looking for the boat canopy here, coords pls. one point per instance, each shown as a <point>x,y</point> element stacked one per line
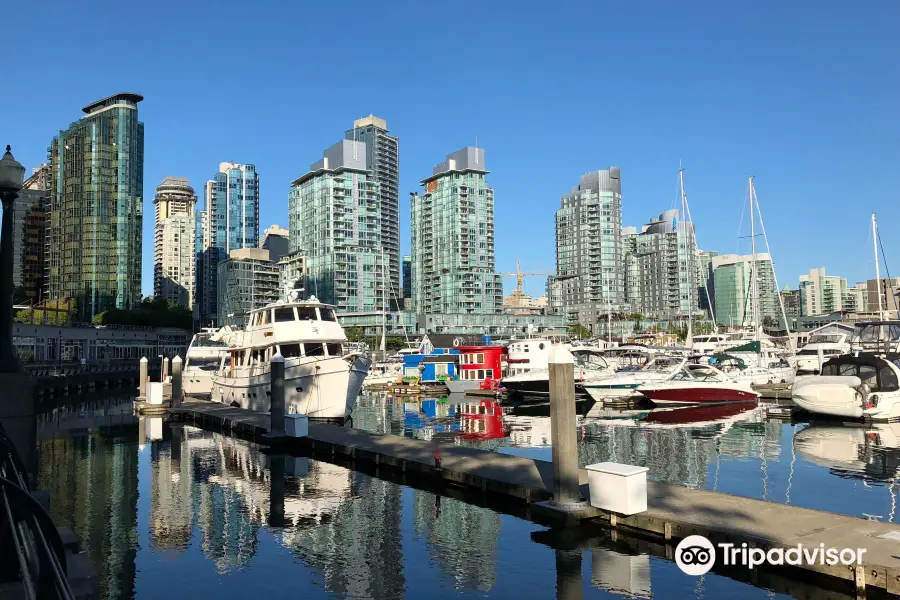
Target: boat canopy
<point>877,372</point>
<point>748,347</point>
<point>726,360</point>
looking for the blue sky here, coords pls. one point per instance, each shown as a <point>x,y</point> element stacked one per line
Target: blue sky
<point>803,95</point>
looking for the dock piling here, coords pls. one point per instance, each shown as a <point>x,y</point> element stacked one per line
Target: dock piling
<point>143,378</point>
<point>277,407</point>
<point>176,381</point>
<point>562,428</point>
<point>165,369</point>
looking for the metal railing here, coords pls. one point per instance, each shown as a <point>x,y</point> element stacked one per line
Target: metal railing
<point>76,368</point>
<point>31,550</point>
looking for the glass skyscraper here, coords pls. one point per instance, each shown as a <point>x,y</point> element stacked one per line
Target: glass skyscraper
<point>96,208</point>
<point>734,300</point>
<point>453,267</point>
<point>383,163</point>
<point>229,221</point>
<point>334,216</point>
<point>590,264</point>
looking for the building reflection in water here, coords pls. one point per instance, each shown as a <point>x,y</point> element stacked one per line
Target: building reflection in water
<point>91,474</point>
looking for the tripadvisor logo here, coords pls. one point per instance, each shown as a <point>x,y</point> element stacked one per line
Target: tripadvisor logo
<point>696,555</point>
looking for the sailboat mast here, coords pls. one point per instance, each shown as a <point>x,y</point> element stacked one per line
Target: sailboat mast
<point>877,267</point>
<point>689,250</point>
<point>754,271</point>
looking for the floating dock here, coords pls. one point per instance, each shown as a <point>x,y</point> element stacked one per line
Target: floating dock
<point>673,512</point>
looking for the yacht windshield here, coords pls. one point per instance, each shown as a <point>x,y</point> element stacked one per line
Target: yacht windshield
<point>589,360</point>
<point>205,342</point>
<point>823,338</point>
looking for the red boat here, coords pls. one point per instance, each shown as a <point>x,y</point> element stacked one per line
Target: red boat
<point>698,384</point>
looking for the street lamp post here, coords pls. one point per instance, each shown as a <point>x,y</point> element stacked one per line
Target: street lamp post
<point>12,177</point>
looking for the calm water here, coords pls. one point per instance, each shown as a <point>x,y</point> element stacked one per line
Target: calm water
<point>178,512</point>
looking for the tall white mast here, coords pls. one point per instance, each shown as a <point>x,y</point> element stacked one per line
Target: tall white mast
<point>689,250</point>
<point>754,271</point>
<point>877,267</point>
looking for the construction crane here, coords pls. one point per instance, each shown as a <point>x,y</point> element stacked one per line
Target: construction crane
<point>520,276</point>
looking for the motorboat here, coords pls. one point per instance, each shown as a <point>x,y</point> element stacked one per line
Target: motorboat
<point>590,365</point>
<point>526,354</point>
<point>806,361</point>
<point>321,377</point>
<point>697,384</point>
<point>707,344</point>
<point>383,374</point>
<point>628,356</point>
<point>203,357</point>
<point>864,384</point>
<point>625,384</point>
<point>739,370</point>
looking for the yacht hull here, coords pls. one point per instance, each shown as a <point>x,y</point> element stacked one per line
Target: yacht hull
<point>676,393</point>
<point>456,386</point>
<point>832,395</point>
<point>197,382</point>
<point>320,388</point>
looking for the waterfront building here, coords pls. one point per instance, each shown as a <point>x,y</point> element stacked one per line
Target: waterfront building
<point>247,280</point>
<point>856,298</point>
<point>524,304</point>
<point>275,240</point>
<point>453,269</point>
<point>96,208</point>
<point>790,300</point>
<point>29,227</point>
<point>174,263</point>
<point>383,164</point>
<point>554,292</point>
<point>888,290</point>
<point>292,273</point>
<point>732,274</point>
<point>334,217</point>
<point>404,323</point>
<point>407,282</point>
<point>706,291</point>
<point>37,342</point>
<point>661,268</point>
<point>589,248</point>
<point>229,221</point>
<point>821,294</point>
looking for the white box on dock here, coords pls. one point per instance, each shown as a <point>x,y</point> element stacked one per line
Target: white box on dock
<point>618,488</point>
<point>154,392</point>
<point>296,425</point>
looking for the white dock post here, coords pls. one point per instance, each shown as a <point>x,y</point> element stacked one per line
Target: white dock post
<point>276,410</point>
<point>176,382</point>
<point>165,369</point>
<point>562,428</point>
<point>142,384</point>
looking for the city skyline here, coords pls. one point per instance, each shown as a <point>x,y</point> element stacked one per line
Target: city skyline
<point>759,104</point>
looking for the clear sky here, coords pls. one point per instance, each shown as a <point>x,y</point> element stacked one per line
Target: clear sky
<point>804,95</point>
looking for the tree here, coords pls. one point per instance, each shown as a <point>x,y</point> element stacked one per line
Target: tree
<point>52,312</point>
<point>638,326</point>
<point>152,312</point>
<point>354,333</point>
<point>579,331</point>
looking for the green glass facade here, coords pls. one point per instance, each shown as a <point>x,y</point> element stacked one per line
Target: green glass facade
<point>334,217</point>
<point>96,208</point>
<point>453,269</point>
<point>733,300</point>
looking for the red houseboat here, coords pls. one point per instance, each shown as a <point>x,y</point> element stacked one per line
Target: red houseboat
<point>477,364</point>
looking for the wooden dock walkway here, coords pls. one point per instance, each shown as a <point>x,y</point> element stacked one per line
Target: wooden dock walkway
<point>673,512</point>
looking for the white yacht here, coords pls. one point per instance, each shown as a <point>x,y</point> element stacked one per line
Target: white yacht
<point>628,356</point>
<point>864,384</point>
<point>204,355</point>
<point>589,366</point>
<point>806,361</point>
<point>321,377</point>
<point>624,384</point>
<point>526,354</point>
<point>708,344</point>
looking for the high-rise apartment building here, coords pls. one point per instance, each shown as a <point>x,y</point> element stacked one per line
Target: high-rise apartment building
<point>888,289</point>
<point>174,263</point>
<point>383,164</point>
<point>292,274</point>
<point>407,279</point>
<point>93,236</point>
<point>247,280</point>
<point>821,294</point>
<point>790,300</point>
<point>29,228</point>
<point>661,268</point>
<point>453,239</point>
<point>589,247</point>
<point>275,240</point>
<point>706,288</point>
<point>334,216</point>
<point>856,298</point>
<point>734,297</point>
<point>229,221</point>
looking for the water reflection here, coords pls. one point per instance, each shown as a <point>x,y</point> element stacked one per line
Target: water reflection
<point>171,510</point>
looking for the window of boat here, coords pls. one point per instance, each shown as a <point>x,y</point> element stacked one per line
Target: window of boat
<point>847,369</point>
<point>440,369</point>
<point>334,349</point>
<point>868,374</point>
<point>327,314</point>
<point>290,350</point>
<point>479,358</point>
<point>313,349</point>
<point>263,317</point>
<point>284,314</point>
<point>830,370</point>
<point>887,380</point>
<point>205,364</point>
<point>306,313</point>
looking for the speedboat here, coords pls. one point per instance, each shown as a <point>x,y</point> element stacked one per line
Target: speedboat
<point>321,377</point>
<point>738,370</point>
<point>697,384</point>
<point>625,384</point>
<point>590,365</point>
<point>865,384</point>
<point>203,356</point>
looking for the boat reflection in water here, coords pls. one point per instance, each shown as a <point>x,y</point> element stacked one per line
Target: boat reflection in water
<point>870,452</point>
